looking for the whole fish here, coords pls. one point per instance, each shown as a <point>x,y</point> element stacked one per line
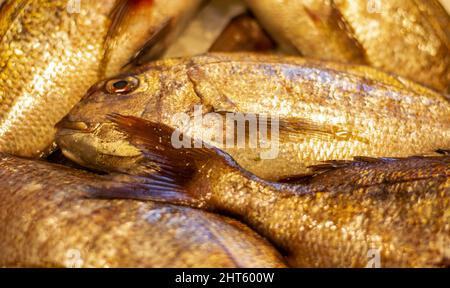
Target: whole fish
<point>51,52</point>
<point>368,212</point>
<point>326,111</point>
<point>408,38</point>
<point>48,221</point>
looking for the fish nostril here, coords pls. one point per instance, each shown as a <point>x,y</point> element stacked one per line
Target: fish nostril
<point>79,126</point>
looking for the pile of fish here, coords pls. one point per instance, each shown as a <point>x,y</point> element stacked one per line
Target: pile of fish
<point>355,170</point>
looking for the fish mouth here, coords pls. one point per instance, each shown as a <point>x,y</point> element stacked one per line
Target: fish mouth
<point>77,126</point>
<point>104,149</point>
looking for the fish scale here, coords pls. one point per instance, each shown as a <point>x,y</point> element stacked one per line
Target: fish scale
<point>364,111</point>
<point>47,220</point>
<point>407,38</point>
<point>342,216</point>
<point>50,54</point>
<point>26,126</point>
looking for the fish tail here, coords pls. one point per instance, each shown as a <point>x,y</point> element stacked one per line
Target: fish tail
<point>176,167</point>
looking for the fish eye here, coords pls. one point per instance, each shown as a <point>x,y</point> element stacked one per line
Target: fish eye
<point>122,86</point>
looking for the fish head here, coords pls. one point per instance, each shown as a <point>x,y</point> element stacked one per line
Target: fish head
<point>87,137</point>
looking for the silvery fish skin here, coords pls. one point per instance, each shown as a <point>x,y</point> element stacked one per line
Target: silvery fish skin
<point>408,38</point>
<point>364,112</point>
<point>48,221</point>
<point>368,212</point>
<point>51,52</point>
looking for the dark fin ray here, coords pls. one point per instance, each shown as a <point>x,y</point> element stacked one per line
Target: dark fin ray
<point>445,152</point>
<point>176,167</point>
<point>143,192</point>
<point>357,161</point>
<point>155,141</point>
<point>296,179</point>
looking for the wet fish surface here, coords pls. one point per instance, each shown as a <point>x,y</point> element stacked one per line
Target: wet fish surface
<point>48,221</point>
<point>314,28</point>
<point>242,34</point>
<point>408,38</point>
<point>145,31</point>
<point>330,111</point>
<point>51,52</point>
<point>394,211</point>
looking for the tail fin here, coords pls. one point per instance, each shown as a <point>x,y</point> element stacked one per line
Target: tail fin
<point>175,166</point>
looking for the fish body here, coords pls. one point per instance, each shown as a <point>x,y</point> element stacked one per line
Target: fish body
<point>367,212</point>
<point>314,28</point>
<point>51,52</point>
<point>146,30</point>
<point>408,38</point>
<point>340,110</point>
<point>47,220</point>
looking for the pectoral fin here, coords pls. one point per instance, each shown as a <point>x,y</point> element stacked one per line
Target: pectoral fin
<point>291,128</point>
<point>176,167</point>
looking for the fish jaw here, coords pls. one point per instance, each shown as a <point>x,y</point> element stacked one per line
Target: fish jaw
<point>86,148</point>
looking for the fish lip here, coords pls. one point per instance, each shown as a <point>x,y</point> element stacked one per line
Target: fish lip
<point>77,126</point>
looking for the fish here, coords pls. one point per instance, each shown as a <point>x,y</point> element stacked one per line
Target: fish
<point>323,110</point>
<point>446,4</point>
<point>146,31</point>
<point>407,38</point>
<point>243,33</point>
<point>51,52</point>
<point>48,221</point>
<point>204,29</point>
<point>312,28</point>
<point>368,212</point>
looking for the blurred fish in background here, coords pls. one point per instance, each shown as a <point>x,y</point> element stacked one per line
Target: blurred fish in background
<point>407,38</point>
<point>51,52</point>
<point>48,221</point>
